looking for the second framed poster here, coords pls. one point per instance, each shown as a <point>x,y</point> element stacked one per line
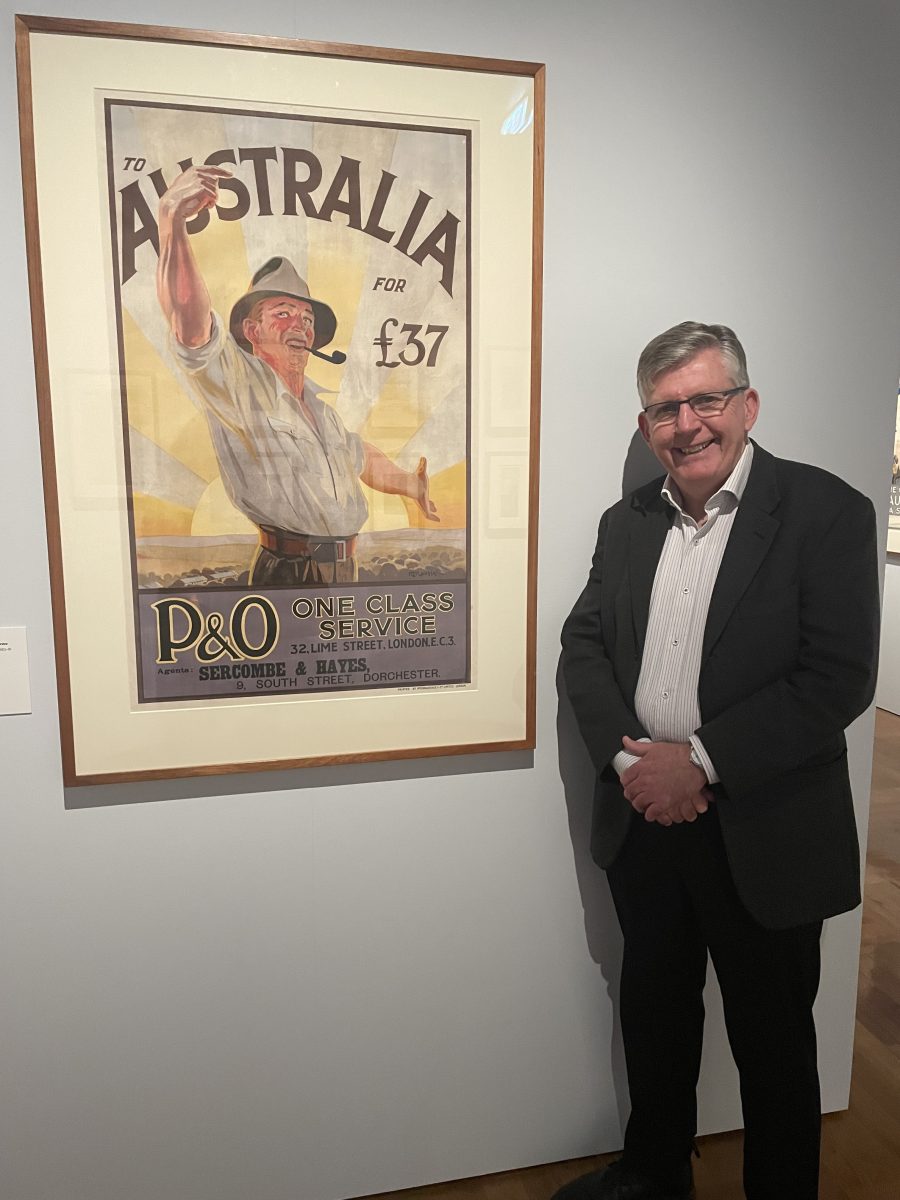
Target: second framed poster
<point>280,303</point>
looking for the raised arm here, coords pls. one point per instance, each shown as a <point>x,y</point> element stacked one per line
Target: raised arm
<point>180,288</point>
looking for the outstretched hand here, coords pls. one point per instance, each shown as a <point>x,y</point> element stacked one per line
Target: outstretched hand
<point>421,496</point>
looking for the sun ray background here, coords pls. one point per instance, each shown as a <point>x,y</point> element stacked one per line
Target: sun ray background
<point>407,412</point>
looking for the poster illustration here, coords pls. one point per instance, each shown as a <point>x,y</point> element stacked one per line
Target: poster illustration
<point>893,537</point>
<point>292,302</point>
<point>287,351</point>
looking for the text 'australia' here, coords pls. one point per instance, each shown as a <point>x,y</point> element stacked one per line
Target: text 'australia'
<point>294,181</point>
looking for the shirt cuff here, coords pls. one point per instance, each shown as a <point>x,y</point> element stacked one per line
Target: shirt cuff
<point>623,760</point>
<point>196,358</point>
<point>712,775</point>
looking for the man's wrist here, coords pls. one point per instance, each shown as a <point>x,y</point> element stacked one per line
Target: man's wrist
<point>695,760</point>
<point>701,757</point>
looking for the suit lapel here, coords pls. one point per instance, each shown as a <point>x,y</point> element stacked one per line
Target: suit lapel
<point>748,544</point>
<point>651,521</point>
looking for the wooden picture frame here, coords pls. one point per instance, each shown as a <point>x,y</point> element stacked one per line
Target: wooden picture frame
<point>393,201</point>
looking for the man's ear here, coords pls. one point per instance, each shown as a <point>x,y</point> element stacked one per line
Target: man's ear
<point>644,427</point>
<point>751,408</point>
<point>251,330</point>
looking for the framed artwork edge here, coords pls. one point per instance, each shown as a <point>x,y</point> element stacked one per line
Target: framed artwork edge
<point>245,41</point>
<point>42,388</point>
<point>73,780</point>
<point>26,25</point>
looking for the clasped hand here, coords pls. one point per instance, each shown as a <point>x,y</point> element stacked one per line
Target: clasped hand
<point>665,785</point>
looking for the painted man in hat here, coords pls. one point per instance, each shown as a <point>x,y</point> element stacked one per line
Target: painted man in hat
<point>287,461</point>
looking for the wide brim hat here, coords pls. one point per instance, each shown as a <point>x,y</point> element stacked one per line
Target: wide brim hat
<point>278,277</point>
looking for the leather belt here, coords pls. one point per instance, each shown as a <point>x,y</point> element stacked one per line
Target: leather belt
<point>299,545</point>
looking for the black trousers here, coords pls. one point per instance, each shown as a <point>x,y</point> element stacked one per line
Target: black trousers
<point>676,902</point>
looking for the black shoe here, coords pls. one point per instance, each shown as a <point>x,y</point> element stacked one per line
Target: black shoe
<point>619,1182</point>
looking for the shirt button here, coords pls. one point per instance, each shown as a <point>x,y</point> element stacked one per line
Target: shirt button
<point>665,695</point>
<point>674,641</point>
<point>685,590</point>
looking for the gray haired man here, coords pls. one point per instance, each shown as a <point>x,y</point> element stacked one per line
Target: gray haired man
<point>726,637</point>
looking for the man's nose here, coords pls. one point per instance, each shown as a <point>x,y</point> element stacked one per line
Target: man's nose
<point>686,419</point>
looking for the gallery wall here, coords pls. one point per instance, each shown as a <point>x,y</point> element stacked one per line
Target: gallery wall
<point>335,982</point>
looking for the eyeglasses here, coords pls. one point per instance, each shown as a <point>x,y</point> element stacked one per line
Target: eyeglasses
<point>708,404</point>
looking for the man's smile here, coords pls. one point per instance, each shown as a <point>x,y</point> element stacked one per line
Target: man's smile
<point>689,450</point>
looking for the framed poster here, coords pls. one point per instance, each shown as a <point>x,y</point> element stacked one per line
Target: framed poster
<point>893,537</point>
<point>280,293</point>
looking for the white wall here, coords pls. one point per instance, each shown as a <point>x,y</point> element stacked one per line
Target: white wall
<point>327,983</point>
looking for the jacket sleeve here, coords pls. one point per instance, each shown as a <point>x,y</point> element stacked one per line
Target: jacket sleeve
<point>799,718</point>
<point>589,639</point>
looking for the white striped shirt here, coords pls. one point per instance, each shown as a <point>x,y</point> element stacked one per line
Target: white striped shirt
<point>666,701</point>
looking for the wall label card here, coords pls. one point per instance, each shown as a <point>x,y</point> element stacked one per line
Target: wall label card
<point>15,688</point>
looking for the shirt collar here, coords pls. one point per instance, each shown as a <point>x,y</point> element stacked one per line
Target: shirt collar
<point>312,393</point>
<point>733,486</point>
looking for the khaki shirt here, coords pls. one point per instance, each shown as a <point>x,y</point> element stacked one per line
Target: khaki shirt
<point>276,469</point>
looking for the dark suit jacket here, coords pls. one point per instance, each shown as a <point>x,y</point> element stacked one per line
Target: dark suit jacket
<point>788,661</point>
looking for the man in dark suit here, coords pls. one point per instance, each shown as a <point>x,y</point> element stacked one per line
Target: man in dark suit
<point>726,637</point>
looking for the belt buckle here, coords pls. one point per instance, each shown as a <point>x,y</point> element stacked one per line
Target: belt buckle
<point>340,551</point>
